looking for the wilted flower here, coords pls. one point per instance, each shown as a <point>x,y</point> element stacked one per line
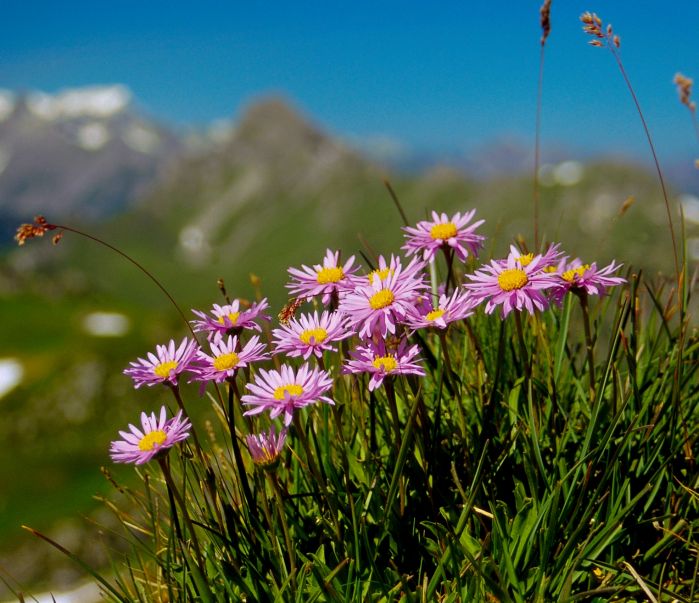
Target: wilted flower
<point>158,434</point>
<point>511,284</point>
<point>381,361</point>
<point>284,391</point>
<point>444,232</point>
<point>265,448</point>
<point>311,334</point>
<point>326,279</point>
<point>165,366</point>
<point>230,318</point>
<point>226,359</point>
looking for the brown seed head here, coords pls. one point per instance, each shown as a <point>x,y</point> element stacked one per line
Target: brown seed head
<point>31,231</point>
<point>592,25</point>
<point>545,19</point>
<point>684,89</point>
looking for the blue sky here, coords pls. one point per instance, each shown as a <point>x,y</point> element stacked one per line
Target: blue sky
<point>434,75</point>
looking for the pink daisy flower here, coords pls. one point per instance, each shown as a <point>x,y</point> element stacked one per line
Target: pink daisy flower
<point>230,318</point>
<point>457,306</point>
<point>384,269</point>
<point>548,259</point>
<point>326,279</point>
<point>381,361</point>
<point>311,334</point>
<point>511,284</point>
<point>577,277</point>
<point>226,359</point>
<point>443,232</point>
<point>156,436</point>
<point>282,392</point>
<point>165,365</point>
<point>378,306</point>
<point>265,448</point>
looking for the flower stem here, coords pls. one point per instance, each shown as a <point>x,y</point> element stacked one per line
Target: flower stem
<point>582,296</point>
<point>242,473</point>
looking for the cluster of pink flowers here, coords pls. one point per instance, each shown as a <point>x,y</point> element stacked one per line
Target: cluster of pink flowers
<point>379,311</point>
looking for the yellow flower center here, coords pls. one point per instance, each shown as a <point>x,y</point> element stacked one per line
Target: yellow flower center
<point>232,316</point>
<point>570,275</point>
<point>512,278</point>
<point>525,259</point>
<point>550,269</point>
<point>318,335</point>
<point>387,363</point>
<point>330,275</point>
<point>226,362</point>
<point>435,314</point>
<point>292,390</point>
<point>382,274</point>
<point>164,368</point>
<point>152,440</point>
<point>381,299</point>
<point>443,231</point>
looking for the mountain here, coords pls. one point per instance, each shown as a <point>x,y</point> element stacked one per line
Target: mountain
<point>84,152</point>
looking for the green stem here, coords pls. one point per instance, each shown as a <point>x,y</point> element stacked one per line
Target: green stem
<point>582,296</point>
<point>242,473</point>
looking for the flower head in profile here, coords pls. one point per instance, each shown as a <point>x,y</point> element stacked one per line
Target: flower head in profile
<point>384,268</point>
<point>457,306</point>
<point>326,279</point>
<point>511,284</point>
<point>266,447</point>
<point>377,307</point>
<point>576,277</point>
<point>284,391</point>
<point>442,232</point>
<point>156,436</point>
<point>311,334</point>
<point>165,365</point>
<point>381,360</point>
<point>230,318</point>
<point>225,358</point>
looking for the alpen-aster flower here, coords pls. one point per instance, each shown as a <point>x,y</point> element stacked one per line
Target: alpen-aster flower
<point>284,391</point>
<point>226,358</point>
<point>376,307</point>
<point>265,448</point>
<point>164,367</point>
<point>230,318</point>
<point>326,279</point>
<point>156,436</point>
<point>449,309</point>
<point>381,361</point>
<point>577,277</point>
<point>428,236</point>
<point>310,334</point>
<point>384,269</point>
<point>547,260</point>
<point>511,284</point>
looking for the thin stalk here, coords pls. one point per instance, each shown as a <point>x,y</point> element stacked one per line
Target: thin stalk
<point>242,473</point>
<point>285,527</point>
<point>678,272</point>
<point>537,145</point>
<point>399,207</point>
<point>589,347</point>
<point>523,346</point>
<point>393,406</point>
<point>138,265</point>
<point>183,507</point>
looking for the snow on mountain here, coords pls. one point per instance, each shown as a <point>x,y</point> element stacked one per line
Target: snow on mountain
<point>91,101</point>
